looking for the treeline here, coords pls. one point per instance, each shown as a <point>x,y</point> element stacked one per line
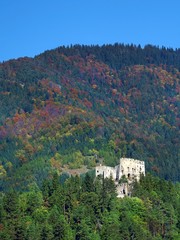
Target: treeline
<point>87,208</point>
<point>119,55</point>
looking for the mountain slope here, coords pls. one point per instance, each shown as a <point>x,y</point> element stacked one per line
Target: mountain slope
<point>76,106</point>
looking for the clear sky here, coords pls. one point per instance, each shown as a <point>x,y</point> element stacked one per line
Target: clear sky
<point>29,27</point>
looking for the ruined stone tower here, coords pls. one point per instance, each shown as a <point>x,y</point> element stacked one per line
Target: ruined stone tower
<point>128,168</point>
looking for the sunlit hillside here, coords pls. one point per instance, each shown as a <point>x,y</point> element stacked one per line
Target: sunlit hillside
<point>79,105</point>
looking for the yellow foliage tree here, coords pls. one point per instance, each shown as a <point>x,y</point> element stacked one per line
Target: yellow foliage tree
<point>2,172</point>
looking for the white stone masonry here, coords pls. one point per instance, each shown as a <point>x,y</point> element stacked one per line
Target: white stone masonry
<point>128,167</point>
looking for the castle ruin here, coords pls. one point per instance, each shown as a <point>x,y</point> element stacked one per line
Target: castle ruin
<point>129,170</point>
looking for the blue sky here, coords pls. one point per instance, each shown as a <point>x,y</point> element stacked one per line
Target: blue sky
<point>28,28</point>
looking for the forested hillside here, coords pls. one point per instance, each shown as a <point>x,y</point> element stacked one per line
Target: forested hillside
<point>78,105</point>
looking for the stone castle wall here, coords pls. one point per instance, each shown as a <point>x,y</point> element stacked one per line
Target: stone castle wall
<point>128,167</point>
<point>131,168</point>
<point>106,171</point>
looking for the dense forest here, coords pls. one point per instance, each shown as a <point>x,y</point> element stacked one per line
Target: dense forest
<point>80,105</point>
<point>71,108</point>
<point>87,209</point>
